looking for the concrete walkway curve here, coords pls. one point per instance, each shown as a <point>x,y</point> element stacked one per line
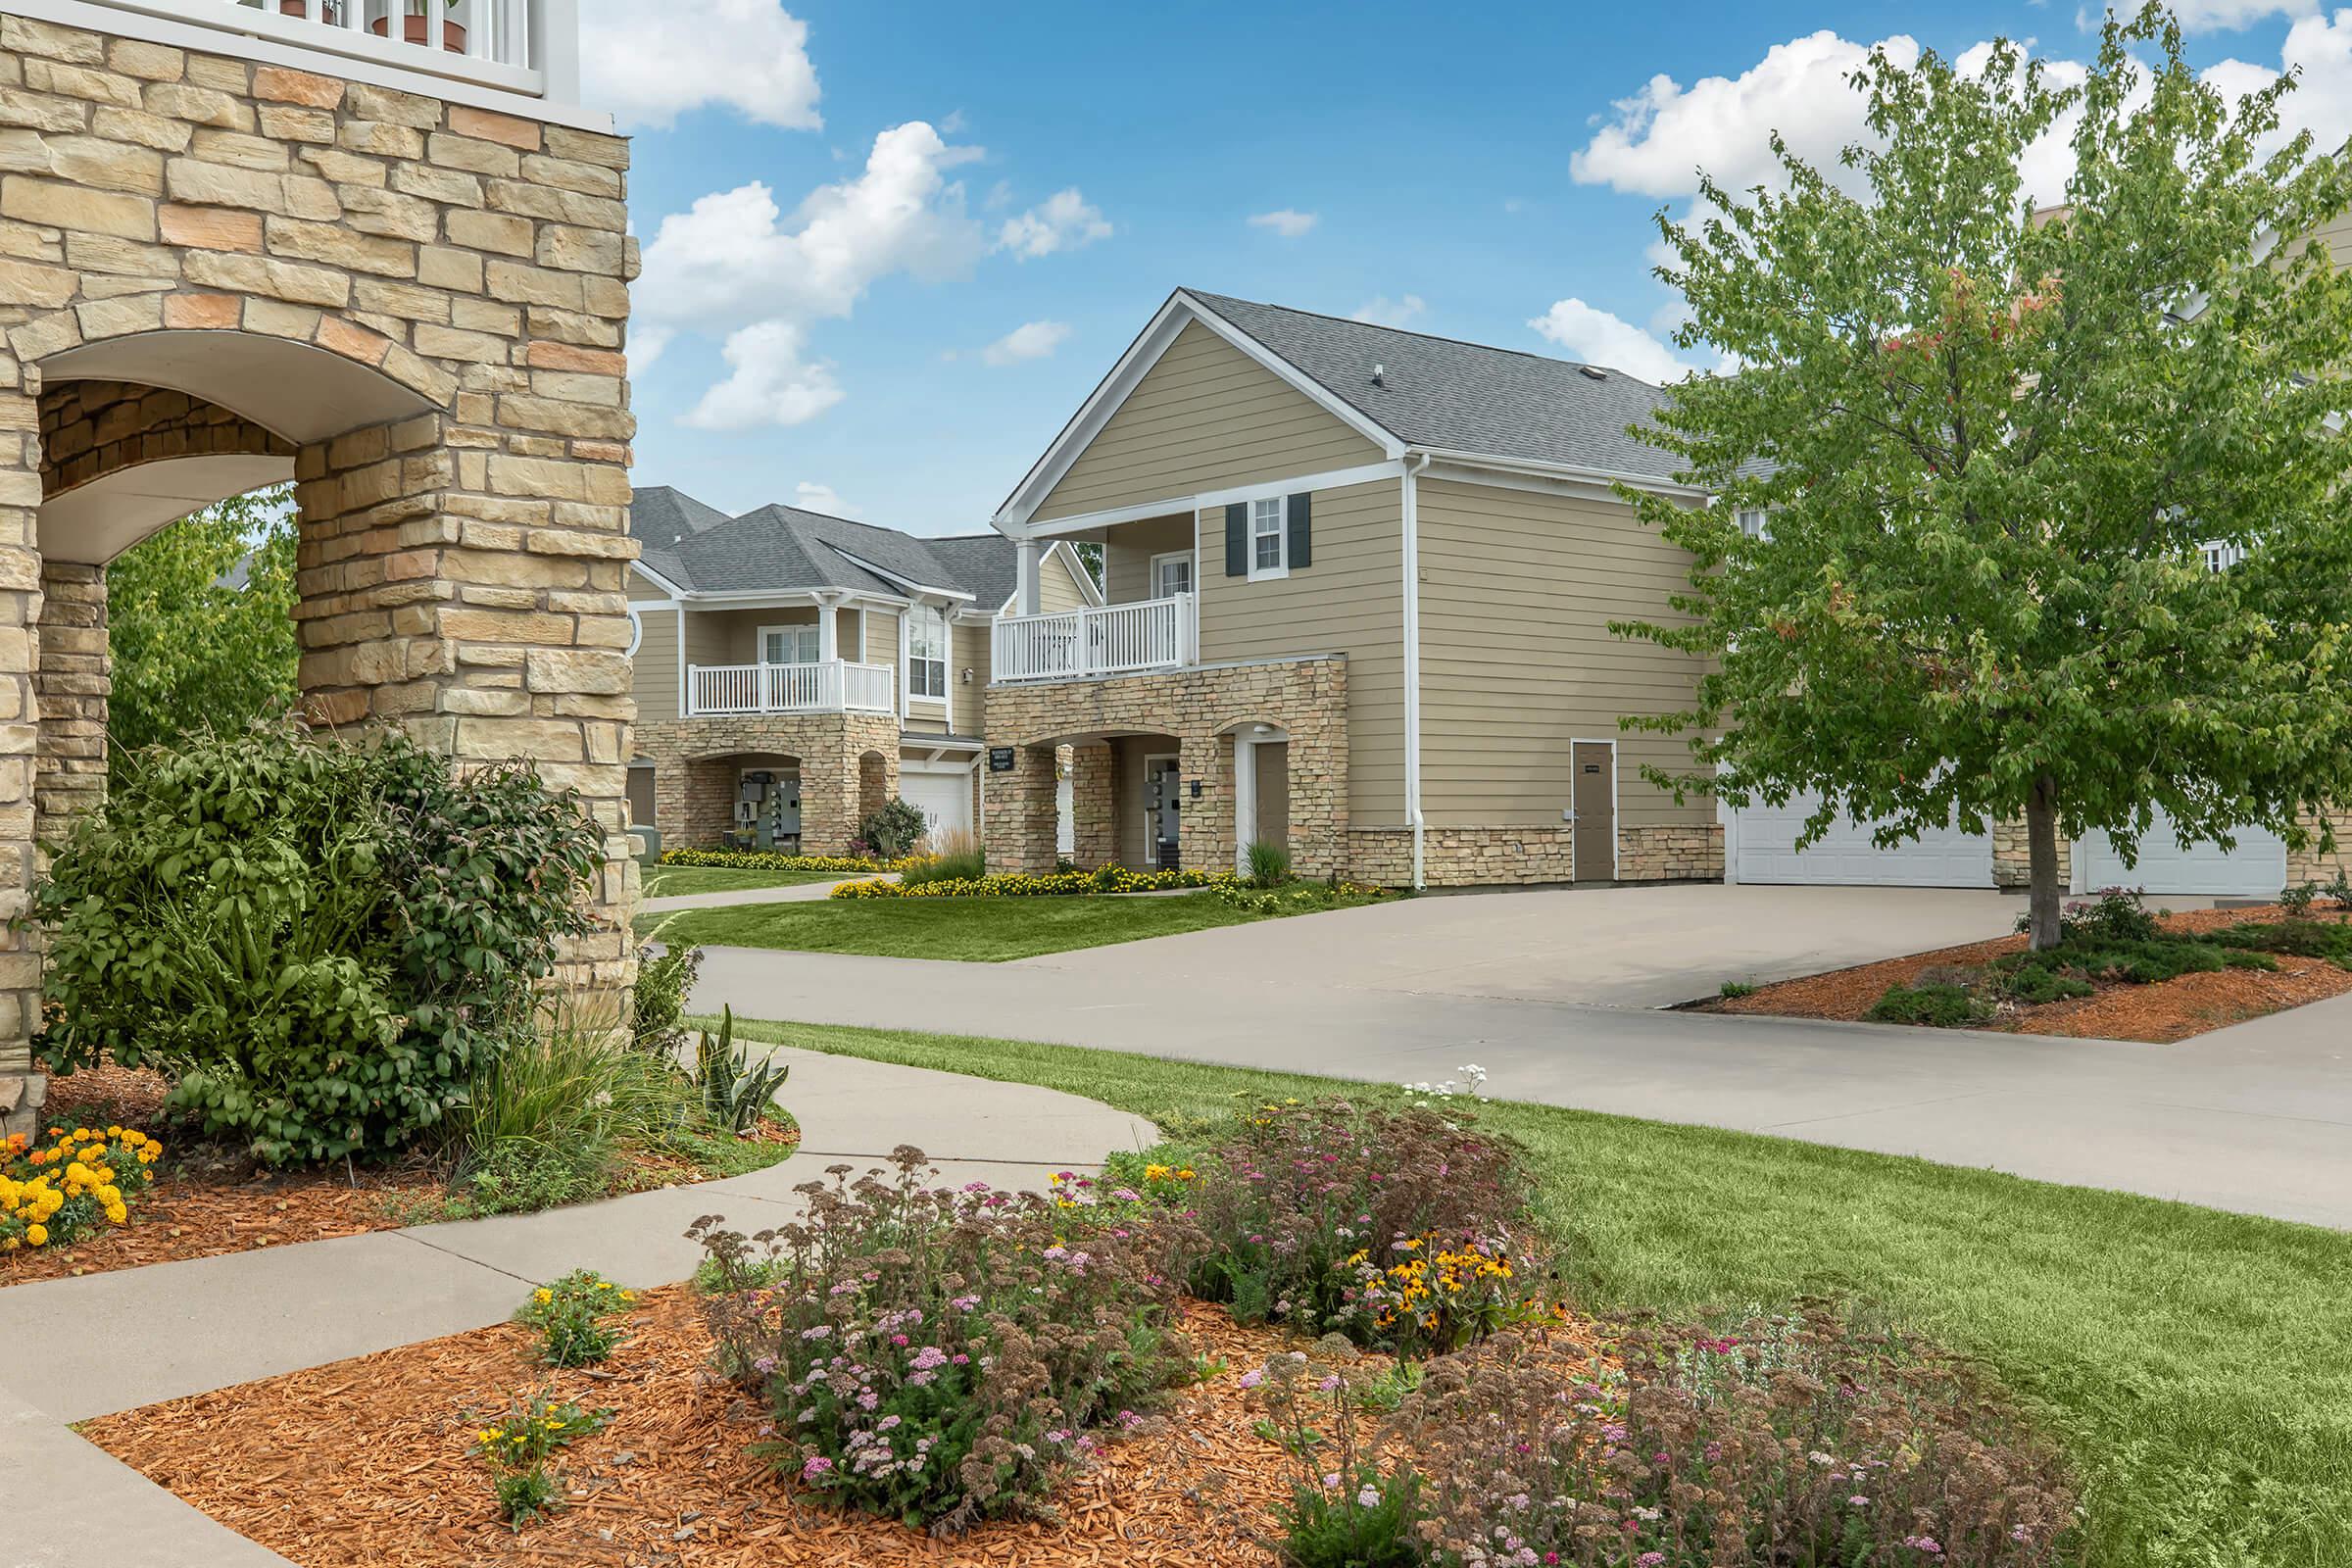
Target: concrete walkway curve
<point>128,1337</point>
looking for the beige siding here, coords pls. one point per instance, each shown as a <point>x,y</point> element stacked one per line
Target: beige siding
<point>1057,583</point>
<point>644,587</point>
<point>1127,556</point>
<point>1350,600</point>
<point>1517,591</point>
<point>654,671</point>
<point>1207,416</point>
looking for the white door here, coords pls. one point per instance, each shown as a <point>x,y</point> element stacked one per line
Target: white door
<point>1065,818</point>
<point>944,799</point>
<point>2256,868</point>
<point>1764,840</point>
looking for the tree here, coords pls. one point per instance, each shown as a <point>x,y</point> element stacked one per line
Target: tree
<point>1993,447</point>
<point>194,648</point>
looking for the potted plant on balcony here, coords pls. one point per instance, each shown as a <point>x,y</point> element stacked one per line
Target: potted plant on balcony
<point>329,10</point>
<point>413,27</point>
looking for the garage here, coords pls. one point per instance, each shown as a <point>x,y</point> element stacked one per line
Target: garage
<point>2255,869</point>
<point>942,791</point>
<point>1762,849</point>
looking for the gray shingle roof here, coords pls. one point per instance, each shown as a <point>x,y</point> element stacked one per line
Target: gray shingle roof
<point>785,550</point>
<point>1464,397</point>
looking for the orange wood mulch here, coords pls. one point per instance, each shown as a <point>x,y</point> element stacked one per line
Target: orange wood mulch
<point>207,1206</point>
<point>364,1463</point>
<point>2174,1010</point>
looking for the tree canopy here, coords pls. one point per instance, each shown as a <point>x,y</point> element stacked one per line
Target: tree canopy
<point>2002,450</point>
<point>198,643</point>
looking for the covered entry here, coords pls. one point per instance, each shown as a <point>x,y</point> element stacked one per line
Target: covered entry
<point>1262,789</point>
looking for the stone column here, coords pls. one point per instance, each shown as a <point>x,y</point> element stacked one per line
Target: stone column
<point>1094,799</point>
<point>72,685</point>
<point>829,789</point>
<point>1204,833</point>
<point>21,1091</point>
<point>1022,815</point>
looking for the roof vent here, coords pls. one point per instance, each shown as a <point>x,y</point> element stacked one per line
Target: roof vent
<point>1379,370</point>
<point>1593,373</point>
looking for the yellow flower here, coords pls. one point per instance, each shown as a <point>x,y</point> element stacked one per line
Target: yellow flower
<point>38,1234</point>
<point>543,1295</point>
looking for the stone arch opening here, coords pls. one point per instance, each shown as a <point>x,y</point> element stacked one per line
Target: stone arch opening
<point>876,783</point>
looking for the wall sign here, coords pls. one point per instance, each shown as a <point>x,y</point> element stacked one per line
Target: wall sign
<point>1000,758</point>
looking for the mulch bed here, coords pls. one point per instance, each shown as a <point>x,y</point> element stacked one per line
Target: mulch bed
<point>364,1463</point>
<point>2172,1009</point>
<point>209,1203</point>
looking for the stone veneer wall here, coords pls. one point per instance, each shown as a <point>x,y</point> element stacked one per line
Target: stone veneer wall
<point>2012,857</point>
<point>459,571</point>
<point>1503,856</point>
<point>90,428</point>
<point>75,679</point>
<point>1306,697</point>
<point>697,762</point>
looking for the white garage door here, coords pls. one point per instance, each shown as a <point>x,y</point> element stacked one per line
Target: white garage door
<point>2256,868</point>
<point>1764,840</point>
<point>944,799</point>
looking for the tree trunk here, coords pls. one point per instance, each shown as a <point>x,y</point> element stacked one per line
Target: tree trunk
<point>2043,895</point>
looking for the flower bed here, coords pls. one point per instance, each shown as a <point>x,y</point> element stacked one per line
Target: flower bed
<point>1057,884</point>
<point>769,860</point>
<point>71,1184</point>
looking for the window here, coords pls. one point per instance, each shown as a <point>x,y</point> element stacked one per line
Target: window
<point>788,645</point>
<point>1756,522</point>
<point>636,631</point>
<point>1172,574</point>
<point>926,653</point>
<point>1269,543</point>
<point>2221,556</point>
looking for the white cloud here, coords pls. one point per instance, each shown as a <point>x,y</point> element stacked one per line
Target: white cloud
<point>1382,311</point>
<point>771,384</point>
<point>1063,222</point>
<point>650,64</point>
<point>1283,221</point>
<point>2320,49</point>
<point>2208,15</point>
<point>1032,340</point>
<point>1596,337</point>
<point>822,498</point>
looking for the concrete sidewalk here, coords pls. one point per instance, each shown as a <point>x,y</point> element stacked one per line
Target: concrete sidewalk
<point>132,1337</point>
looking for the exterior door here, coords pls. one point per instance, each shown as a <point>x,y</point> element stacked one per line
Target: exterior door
<point>641,795</point>
<point>1594,799</point>
<point>1162,804</point>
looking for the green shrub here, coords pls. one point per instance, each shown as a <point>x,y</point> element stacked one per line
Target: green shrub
<point>736,1089</point>
<point>891,831</point>
<point>1936,1006</point>
<point>2044,984</point>
<point>322,941</point>
<point>2298,939</point>
<point>1269,864</point>
<point>2297,901</point>
<point>1354,1519</point>
<point>522,1177</point>
<point>664,982</point>
<point>525,1496</point>
<point>575,1318</point>
<point>1732,988</point>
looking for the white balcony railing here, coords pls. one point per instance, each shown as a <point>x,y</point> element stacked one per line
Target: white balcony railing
<point>1115,640</point>
<point>524,47</point>
<point>836,687</point>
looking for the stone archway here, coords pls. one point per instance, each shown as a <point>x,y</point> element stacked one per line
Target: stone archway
<point>421,305</point>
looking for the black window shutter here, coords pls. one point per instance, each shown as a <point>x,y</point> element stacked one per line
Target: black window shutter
<point>1237,539</point>
<point>1303,531</point>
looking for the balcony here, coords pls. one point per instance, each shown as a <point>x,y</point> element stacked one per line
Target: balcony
<point>518,56</point>
<point>1134,639</point>
<point>833,687</point>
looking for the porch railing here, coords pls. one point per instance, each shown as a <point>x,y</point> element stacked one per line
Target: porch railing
<point>1115,640</point>
<point>528,47</point>
<point>835,687</point>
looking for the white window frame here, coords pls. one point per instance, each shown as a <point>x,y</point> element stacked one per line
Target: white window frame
<point>1191,571</point>
<point>636,633</point>
<point>919,618</point>
<point>1754,521</point>
<point>1281,537</point>
<point>795,630</point>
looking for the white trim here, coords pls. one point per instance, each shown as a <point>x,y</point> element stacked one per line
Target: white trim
<point>1616,827</point>
<point>1172,505</point>
<point>1281,537</point>
<point>1535,483</point>
<point>1191,582</point>
<point>657,580</point>
<point>636,631</point>
<point>1088,589</point>
<point>1410,553</point>
<point>682,670</point>
<point>362,57</point>
<point>1558,471</point>
<point>795,627</point>
<point>1179,309</point>
<point>1244,800</point>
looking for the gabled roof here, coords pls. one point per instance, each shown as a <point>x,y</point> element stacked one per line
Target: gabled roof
<point>776,549</point>
<point>1466,401</point>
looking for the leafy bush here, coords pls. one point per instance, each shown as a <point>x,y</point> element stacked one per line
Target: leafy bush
<point>939,1356</point>
<point>1789,1441</point>
<point>1058,884</point>
<point>2118,915</point>
<point>2297,901</point>
<point>65,1188</point>
<point>2044,984</point>
<point>735,1089</point>
<point>1269,864</point>
<point>322,941</point>
<point>956,857</point>
<point>664,981</point>
<point>894,829</point>
<point>1331,1218</point>
<point>1938,1007</point>
<point>575,1318</point>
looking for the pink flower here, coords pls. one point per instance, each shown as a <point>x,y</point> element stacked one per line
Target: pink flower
<point>816,1468</point>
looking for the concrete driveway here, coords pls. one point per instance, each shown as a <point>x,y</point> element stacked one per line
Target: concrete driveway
<point>1597,947</point>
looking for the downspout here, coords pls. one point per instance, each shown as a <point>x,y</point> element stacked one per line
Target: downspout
<point>1414,464</point>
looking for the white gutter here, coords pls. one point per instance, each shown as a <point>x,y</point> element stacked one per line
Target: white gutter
<point>1413,464</point>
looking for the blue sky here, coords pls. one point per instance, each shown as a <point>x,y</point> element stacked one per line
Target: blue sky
<point>892,246</point>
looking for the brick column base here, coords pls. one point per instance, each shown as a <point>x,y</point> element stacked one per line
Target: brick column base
<point>1094,806</point>
<point>1022,819</point>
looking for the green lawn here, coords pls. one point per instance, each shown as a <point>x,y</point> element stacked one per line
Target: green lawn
<point>978,930</point>
<point>2197,1364</point>
<point>662,880</point>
